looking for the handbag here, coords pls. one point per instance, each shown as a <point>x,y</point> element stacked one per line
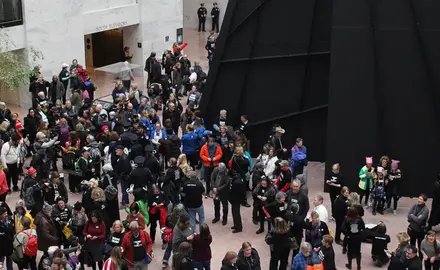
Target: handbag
<point>110,191</point>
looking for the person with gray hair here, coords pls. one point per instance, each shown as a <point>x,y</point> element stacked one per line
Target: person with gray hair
<point>299,261</point>
<point>192,193</point>
<point>283,181</point>
<point>46,229</point>
<point>220,185</point>
<point>221,120</point>
<point>137,247</point>
<point>299,207</point>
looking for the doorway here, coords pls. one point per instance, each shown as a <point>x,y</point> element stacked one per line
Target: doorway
<point>107,47</point>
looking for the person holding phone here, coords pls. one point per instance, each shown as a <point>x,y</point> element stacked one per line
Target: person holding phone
<point>137,247</point>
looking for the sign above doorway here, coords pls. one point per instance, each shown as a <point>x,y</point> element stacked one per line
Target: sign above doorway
<point>110,19</point>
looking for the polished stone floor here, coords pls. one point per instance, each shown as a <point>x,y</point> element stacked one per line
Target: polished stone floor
<point>223,239</point>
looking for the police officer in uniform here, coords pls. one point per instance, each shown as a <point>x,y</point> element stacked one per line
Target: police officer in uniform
<point>215,14</point>
<point>201,13</point>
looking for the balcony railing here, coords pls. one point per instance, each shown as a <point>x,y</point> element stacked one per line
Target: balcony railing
<point>11,13</point>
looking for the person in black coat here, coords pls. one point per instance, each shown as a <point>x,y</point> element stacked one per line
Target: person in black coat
<point>335,183</point>
<point>173,144</point>
<point>6,236</point>
<point>353,228</point>
<point>236,197</point>
<point>379,245</point>
<point>240,164</point>
<point>111,204</point>
<point>280,242</point>
<point>434,218</point>
<point>340,211</point>
<point>31,126</point>
<point>141,176</point>
<point>264,194</point>
<point>248,258</point>
<point>299,206</point>
<point>327,254</point>
<point>173,114</point>
<point>122,171</point>
<point>315,230</point>
<point>172,182</point>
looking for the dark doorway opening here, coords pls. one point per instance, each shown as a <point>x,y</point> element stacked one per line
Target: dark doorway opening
<point>108,47</point>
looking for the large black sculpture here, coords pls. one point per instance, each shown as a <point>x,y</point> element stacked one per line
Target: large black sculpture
<point>353,78</point>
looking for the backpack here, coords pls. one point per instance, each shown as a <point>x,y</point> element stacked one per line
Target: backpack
<point>31,248</point>
<point>110,191</point>
<point>28,197</point>
<point>95,154</point>
<point>77,168</point>
<point>167,234</point>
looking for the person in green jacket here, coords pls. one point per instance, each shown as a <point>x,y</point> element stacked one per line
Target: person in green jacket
<point>366,177</point>
<point>141,200</point>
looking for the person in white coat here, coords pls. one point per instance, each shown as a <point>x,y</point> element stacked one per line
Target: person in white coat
<point>318,202</point>
<point>269,165</point>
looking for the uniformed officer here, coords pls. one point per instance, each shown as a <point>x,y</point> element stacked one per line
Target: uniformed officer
<point>215,14</point>
<point>201,13</point>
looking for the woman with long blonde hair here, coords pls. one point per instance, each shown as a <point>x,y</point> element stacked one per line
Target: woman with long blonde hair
<point>399,255</point>
<point>182,163</point>
<point>115,262</point>
<point>229,262</point>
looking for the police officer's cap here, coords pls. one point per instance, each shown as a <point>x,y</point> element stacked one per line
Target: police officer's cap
<point>149,148</point>
<point>139,160</point>
<point>119,146</point>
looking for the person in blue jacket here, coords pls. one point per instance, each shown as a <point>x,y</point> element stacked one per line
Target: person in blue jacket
<point>189,145</point>
<point>157,134</point>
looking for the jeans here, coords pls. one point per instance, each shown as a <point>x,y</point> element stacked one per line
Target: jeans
<point>8,262</point>
<point>167,253</point>
<point>139,265</point>
<point>192,216</point>
<point>205,265</point>
<point>124,186</point>
<point>225,206</point>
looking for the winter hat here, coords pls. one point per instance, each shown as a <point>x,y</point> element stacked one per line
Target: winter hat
<point>2,210</point>
<point>369,160</point>
<point>31,171</point>
<point>379,169</point>
<point>301,178</point>
<point>104,128</point>
<point>60,198</point>
<point>394,163</point>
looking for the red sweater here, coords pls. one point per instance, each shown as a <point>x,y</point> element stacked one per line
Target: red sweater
<point>127,246</point>
<point>139,218</point>
<point>97,230</point>
<point>3,184</point>
<point>201,249</point>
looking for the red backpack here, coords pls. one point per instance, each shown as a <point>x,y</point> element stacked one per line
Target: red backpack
<point>31,248</point>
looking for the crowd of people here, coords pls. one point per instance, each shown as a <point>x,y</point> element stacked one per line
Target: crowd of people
<point>164,168</point>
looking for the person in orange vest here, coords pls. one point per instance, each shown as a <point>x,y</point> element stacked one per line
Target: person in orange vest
<point>211,153</point>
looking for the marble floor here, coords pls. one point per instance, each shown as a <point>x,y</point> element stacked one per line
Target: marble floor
<point>223,239</point>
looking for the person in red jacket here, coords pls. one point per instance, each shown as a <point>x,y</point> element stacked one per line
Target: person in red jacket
<point>3,185</point>
<point>211,153</point>
<point>137,247</point>
<point>94,232</point>
<point>285,177</point>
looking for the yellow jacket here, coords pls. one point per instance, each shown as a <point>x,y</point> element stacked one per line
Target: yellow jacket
<point>19,222</point>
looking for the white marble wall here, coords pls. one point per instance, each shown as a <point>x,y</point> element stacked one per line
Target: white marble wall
<point>15,38</point>
<point>160,19</point>
<point>57,28</point>
<point>132,36</point>
<point>190,7</point>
